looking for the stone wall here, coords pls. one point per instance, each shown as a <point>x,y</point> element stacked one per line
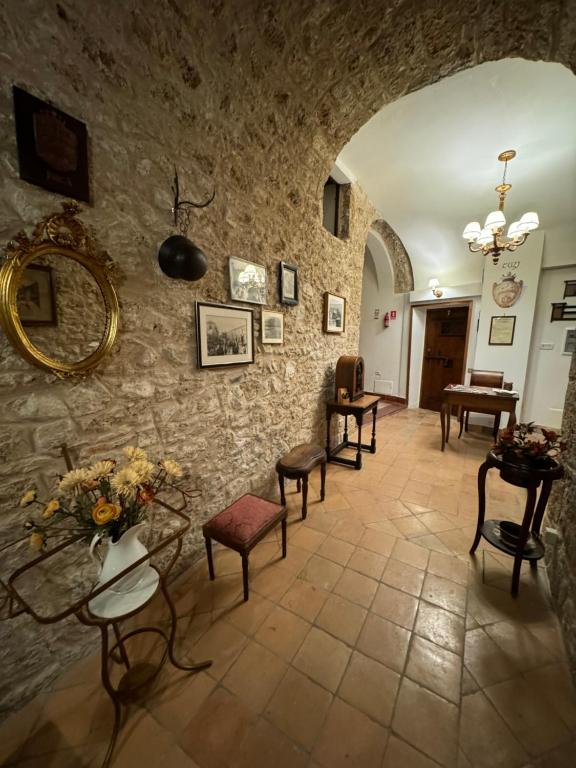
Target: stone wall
<point>256,98</point>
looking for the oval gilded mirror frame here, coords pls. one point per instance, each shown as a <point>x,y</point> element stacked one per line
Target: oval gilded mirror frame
<point>64,235</point>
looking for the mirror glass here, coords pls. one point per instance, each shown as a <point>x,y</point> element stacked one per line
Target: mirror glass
<point>61,307</point>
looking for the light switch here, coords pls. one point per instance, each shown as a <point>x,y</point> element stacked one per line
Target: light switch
<point>547,345</point>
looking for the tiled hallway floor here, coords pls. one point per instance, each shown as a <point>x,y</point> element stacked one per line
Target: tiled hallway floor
<point>378,642</point>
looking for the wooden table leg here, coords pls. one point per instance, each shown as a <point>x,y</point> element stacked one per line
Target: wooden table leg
<point>373,441</point>
<point>323,481</point>
<point>284,537</point>
<point>443,426</point>
<point>282,491</point>
<point>328,422</point>
<point>523,538</point>
<point>346,428</point>
<point>482,472</point>
<point>448,419</point>
<point>512,415</point>
<point>208,542</point>
<point>304,497</point>
<point>359,449</point>
<point>245,574</point>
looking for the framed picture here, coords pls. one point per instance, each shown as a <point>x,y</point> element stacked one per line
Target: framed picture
<point>569,341</point>
<point>288,275</point>
<point>36,296</point>
<point>224,335</point>
<point>569,289</point>
<point>334,313</point>
<point>272,327</point>
<point>502,330</point>
<point>248,281</point>
<point>52,147</point>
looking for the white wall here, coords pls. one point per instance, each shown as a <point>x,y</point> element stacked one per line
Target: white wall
<point>513,360</point>
<point>382,348</point>
<point>548,368</point>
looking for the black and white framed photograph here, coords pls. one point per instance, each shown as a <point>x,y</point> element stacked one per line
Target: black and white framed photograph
<point>569,346</point>
<point>272,327</point>
<point>288,283</point>
<point>224,335</point>
<point>502,330</point>
<point>569,289</point>
<point>248,281</point>
<point>334,313</point>
<point>36,296</point>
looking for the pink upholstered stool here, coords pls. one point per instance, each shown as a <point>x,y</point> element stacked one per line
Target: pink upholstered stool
<point>241,526</point>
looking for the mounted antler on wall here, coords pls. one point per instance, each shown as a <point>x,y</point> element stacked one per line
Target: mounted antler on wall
<point>178,256</point>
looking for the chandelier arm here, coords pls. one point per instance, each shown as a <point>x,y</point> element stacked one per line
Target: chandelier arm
<point>474,250</point>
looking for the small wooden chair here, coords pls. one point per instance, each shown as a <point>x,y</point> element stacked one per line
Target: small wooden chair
<point>483,379</point>
<point>241,526</point>
<point>297,465</point>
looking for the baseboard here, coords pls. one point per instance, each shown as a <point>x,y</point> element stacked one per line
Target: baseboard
<point>388,398</point>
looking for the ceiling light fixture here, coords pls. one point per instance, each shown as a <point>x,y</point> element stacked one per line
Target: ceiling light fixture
<point>491,239</point>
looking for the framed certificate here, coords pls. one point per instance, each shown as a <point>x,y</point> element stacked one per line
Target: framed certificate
<point>502,330</point>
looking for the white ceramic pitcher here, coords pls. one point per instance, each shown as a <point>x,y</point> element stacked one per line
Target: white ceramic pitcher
<point>118,556</point>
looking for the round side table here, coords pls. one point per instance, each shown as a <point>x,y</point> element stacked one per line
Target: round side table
<point>522,542</point>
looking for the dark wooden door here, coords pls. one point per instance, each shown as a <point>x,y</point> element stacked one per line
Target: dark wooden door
<point>444,353</point>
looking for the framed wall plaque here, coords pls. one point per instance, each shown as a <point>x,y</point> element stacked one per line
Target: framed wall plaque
<point>334,313</point>
<point>288,278</point>
<point>569,289</point>
<point>52,147</point>
<point>502,330</point>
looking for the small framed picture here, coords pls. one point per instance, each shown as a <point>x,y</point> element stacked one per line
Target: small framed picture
<point>569,346</point>
<point>52,147</point>
<point>272,327</point>
<point>502,330</point>
<point>288,279</point>
<point>248,281</point>
<point>569,289</point>
<point>36,296</point>
<point>224,335</point>
<point>334,313</point>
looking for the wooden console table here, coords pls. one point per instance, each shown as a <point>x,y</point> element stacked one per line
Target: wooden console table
<point>479,399</point>
<point>526,543</point>
<point>356,408</point>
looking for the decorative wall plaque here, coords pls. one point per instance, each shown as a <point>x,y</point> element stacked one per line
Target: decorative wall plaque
<point>52,147</point>
<point>507,292</point>
<point>502,330</point>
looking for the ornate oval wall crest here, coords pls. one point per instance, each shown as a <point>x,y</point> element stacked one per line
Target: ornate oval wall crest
<point>507,291</point>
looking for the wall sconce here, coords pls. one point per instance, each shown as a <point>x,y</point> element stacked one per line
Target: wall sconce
<point>434,284</point>
<point>178,256</point>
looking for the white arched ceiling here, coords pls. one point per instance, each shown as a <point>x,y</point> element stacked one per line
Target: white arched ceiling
<point>428,161</point>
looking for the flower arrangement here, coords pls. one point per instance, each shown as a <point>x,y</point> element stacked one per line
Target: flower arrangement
<point>519,443</point>
<point>106,497</point>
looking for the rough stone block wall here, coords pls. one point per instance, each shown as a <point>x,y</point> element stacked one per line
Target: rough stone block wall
<point>256,98</point>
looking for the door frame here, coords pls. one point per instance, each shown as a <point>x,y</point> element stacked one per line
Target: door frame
<point>437,305</point>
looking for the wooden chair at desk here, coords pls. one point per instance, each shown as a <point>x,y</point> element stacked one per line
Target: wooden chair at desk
<point>482,379</point>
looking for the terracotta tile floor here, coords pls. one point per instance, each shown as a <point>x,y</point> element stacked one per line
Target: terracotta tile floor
<point>378,643</point>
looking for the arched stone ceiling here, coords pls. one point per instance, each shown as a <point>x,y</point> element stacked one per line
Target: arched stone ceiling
<point>399,258</point>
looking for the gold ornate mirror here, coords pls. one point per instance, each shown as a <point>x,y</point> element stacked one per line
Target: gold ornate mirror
<point>58,306</point>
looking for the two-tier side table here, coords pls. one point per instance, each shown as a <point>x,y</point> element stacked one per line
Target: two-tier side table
<point>356,408</point>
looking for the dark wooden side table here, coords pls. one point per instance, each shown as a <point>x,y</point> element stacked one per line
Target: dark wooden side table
<point>476,399</point>
<point>357,409</point>
<point>522,542</point>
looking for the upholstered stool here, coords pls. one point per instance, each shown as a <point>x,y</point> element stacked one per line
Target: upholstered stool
<point>241,526</point>
<point>297,465</point>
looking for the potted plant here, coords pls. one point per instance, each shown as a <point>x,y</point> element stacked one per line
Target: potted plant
<point>529,445</point>
<point>107,501</point>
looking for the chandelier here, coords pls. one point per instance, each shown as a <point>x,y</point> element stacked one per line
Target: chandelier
<point>491,238</point>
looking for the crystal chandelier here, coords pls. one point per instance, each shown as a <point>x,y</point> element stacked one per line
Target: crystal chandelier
<point>491,239</point>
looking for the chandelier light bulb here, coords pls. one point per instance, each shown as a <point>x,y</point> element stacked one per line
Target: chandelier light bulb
<point>514,230</point>
<point>529,221</point>
<point>495,220</point>
<point>485,237</point>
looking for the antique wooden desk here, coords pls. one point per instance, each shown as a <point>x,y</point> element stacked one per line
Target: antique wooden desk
<point>356,408</point>
<point>473,398</point>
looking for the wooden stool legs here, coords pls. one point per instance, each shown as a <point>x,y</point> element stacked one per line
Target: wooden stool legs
<point>302,486</point>
<point>323,481</point>
<point>208,543</point>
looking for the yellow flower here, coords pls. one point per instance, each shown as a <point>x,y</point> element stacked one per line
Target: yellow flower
<point>73,481</point>
<point>102,469</point>
<point>125,482</point>
<point>135,454</point>
<point>36,541</point>
<point>52,506</point>
<point>28,498</point>
<point>143,469</point>
<point>105,512</point>
<point>172,468</point>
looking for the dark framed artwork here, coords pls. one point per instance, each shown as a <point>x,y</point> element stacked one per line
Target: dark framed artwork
<point>52,147</point>
<point>334,313</point>
<point>569,346</point>
<point>272,327</point>
<point>36,296</point>
<point>248,281</point>
<point>562,311</point>
<point>502,330</point>
<point>569,289</point>
<point>224,335</point>
<point>288,283</point>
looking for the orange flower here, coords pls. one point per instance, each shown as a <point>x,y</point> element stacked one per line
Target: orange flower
<point>50,508</point>
<point>105,511</point>
<point>146,494</point>
<point>36,541</point>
